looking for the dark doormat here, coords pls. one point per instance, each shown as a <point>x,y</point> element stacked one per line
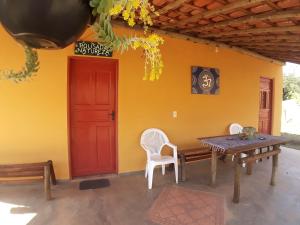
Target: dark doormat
<point>93,184</point>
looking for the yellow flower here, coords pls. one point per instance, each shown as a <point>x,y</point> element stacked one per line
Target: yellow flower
<point>131,22</point>
<point>116,10</point>
<point>135,3</point>
<point>125,15</point>
<point>153,59</point>
<point>136,44</point>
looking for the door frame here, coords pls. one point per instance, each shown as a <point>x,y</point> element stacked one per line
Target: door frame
<point>116,63</point>
<point>272,101</point>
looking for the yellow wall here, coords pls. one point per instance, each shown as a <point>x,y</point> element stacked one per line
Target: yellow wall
<point>33,115</point>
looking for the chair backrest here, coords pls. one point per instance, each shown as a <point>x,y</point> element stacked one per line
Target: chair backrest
<point>235,128</point>
<point>153,140</point>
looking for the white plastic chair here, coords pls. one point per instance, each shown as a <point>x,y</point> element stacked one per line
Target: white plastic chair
<point>235,128</point>
<point>152,141</point>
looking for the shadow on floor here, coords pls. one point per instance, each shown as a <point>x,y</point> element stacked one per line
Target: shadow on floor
<point>294,140</point>
<point>127,201</point>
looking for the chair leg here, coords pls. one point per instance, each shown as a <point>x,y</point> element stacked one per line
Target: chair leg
<point>260,152</point>
<point>163,169</point>
<point>146,170</point>
<point>176,171</point>
<point>150,175</point>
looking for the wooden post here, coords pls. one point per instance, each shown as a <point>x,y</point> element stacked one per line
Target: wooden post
<point>47,181</point>
<point>52,174</point>
<point>250,164</point>
<point>182,168</point>
<point>268,149</point>
<point>274,166</point>
<point>260,151</point>
<point>236,192</point>
<point>213,167</point>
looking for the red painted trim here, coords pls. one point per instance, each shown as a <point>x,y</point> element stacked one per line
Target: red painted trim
<point>116,62</point>
<point>68,118</point>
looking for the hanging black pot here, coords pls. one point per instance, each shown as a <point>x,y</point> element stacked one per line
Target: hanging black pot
<point>48,24</point>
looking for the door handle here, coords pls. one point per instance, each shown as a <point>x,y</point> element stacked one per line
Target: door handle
<point>112,114</point>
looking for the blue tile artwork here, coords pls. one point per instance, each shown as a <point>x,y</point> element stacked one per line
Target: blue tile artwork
<point>205,80</point>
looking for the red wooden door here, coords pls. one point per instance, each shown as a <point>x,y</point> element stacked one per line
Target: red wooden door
<point>92,115</point>
<point>265,106</point>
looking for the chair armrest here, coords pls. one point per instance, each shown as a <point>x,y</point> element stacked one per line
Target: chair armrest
<point>174,148</point>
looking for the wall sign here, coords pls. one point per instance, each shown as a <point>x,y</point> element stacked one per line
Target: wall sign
<point>91,48</point>
<point>205,80</point>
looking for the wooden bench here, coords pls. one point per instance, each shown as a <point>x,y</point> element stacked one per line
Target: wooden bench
<point>192,155</point>
<point>32,172</point>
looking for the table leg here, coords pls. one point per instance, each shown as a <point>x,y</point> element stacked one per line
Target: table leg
<point>237,168</point>
<point>182,168</point>
<point>250,164</point>
<point>274,167</point>
<point>213,167</point>
<point>260,151</point>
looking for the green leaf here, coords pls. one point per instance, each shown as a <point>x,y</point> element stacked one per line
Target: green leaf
<point>31,67</point>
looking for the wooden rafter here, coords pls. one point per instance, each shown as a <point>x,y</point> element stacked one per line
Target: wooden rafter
<point>283,57</point>
<point>173,5</point>
<point>272,5</point>
<point>281,15</point>
<point>277,52</point>
<point>270,28</point>
<point>253,31</point>
<point>267,38</point>
<point>223,10</point>
<point>205,41</point>
<point>274,44</point>
<point>275,48</point>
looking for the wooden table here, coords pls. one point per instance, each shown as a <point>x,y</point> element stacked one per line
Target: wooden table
<point>223,144</point>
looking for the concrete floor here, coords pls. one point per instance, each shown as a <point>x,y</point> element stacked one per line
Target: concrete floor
<point>127,200</point>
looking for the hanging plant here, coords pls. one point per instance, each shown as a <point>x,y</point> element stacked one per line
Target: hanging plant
<point>130,10</point>
<point>29,70</point>
<point>46,24</point>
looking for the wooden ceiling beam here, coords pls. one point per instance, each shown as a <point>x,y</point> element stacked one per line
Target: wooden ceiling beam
<point>289,59</point>
<point>282,52</point>
<point>202,41</point>
<point>284,58</point>
<point>285,37</point>
<point>252,31</point>
<point>296,61</point>
<point>223,10</point>
<point>170,6</point>
<point>272,5</point>
<point>279,44</point>
<point>263,42</point>
<point>285,53</point>
<point>279,49</point>
<point>285,14</point>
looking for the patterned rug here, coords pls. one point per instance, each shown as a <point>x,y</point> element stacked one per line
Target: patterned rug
<point>181,206</point>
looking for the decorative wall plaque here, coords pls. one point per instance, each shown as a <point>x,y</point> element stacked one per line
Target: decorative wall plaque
<point>91,48</point>
<point>205,80</point>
